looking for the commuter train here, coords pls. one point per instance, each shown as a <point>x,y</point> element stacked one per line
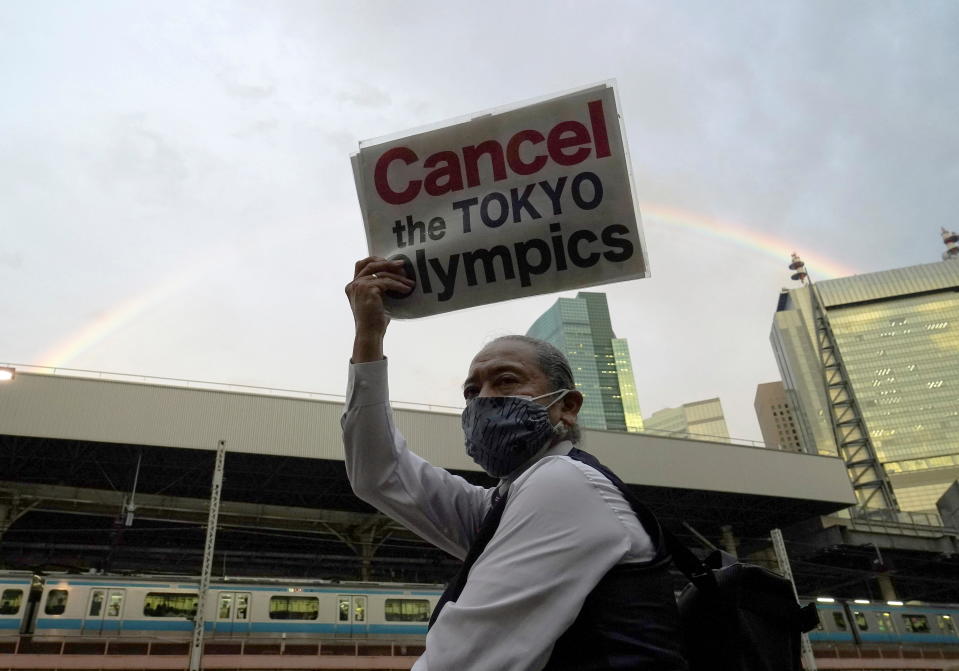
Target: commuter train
<point>58,606</point>
<point>866,622</point>
<point>55,607</point>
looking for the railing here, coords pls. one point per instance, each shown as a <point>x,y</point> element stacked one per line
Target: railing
<point>895,517</point>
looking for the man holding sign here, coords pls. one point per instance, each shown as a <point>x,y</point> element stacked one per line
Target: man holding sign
<point>559,573</point>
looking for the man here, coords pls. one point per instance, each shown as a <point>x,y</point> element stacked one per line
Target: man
<point>559,573</point>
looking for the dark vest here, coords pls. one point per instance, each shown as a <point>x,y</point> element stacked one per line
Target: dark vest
<point>629,620</point>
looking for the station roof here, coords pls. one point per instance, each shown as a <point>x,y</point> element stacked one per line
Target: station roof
<point>705,484</point>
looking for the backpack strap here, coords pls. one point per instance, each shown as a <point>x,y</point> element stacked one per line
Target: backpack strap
<point>693,568</point>
<point>483,536</point>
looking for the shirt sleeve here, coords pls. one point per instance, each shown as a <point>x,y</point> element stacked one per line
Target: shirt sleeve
<point>558,537</point>
<point>442,508</point>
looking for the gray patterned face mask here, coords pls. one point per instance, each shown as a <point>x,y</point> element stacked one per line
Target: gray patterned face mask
<point>504,432</point>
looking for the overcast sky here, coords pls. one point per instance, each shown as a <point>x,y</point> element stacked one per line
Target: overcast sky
<point>176,196</point>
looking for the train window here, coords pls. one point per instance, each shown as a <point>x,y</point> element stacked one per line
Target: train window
<point>10,601</point>
<point>96,603</point>
<point>56,602</point>
<point>115,607</point>
<point>344,610</point>
<point>861,622</point>
<point>840,620</point>
<point>917,624</point>
<point>946,625</point>
<point>407,610</point>
<point>359,608</point>
<point>226,606</point>
<point>884,622</point>
<point>294,607</point>
<point>242,606</point>
<point>169,604</point>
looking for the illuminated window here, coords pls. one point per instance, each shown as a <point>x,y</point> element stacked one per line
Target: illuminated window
<point>170,604</point>
<point>10,601</point>
<point>917,624</point>
<point>56,602</point>
<point>294,607</point>
<point>407,610</point>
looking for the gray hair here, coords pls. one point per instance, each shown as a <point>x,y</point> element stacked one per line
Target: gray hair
<point>555,366</point>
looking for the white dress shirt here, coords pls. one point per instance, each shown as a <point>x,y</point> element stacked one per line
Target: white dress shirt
<point>564,526</point>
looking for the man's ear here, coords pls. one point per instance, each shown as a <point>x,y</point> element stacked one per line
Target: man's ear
<point>570,405</point>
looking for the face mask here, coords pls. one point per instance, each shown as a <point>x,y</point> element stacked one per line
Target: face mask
<point>504,432</point>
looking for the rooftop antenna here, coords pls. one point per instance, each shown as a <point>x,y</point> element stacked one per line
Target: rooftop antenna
<point>949,239</point>
<point>799,269</point>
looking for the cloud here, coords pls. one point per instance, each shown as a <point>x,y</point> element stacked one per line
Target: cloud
<point>247,84</point>
<point>365,95</point>
<point>13,260</point>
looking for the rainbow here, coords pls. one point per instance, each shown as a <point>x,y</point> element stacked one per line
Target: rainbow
<point>819,266</point>
<point>117,317</point>
<point>130,310</point>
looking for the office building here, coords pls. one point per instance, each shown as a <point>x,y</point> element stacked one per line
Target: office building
<point>777,420</point>
<point>581,328</point>
<point>897,335</point>
<point>702,420</point>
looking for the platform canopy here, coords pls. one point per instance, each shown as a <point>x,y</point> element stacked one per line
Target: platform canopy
<point>74,444</point>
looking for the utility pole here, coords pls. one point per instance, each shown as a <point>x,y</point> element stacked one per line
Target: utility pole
<point>196,648</point>
<point>808,659</point>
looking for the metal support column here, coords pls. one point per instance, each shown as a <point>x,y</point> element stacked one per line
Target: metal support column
<point>196,648</point>
<point>808,659</point>
<point>869,480</point>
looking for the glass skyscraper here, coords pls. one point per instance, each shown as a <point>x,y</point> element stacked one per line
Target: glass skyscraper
<point>581,328</point>
<point>897,333</point>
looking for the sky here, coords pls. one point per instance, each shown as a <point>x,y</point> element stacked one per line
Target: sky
<point>176,197</point>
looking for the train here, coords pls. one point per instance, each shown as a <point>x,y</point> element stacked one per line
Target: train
<point>59,606</point>
<point>54,607</point>
<point>867,622</point>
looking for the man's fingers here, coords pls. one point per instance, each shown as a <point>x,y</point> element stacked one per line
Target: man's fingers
<point>362,263</point>
<point>378,266</point>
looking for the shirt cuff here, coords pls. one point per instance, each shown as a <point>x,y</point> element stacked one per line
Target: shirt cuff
<point>368,384</point>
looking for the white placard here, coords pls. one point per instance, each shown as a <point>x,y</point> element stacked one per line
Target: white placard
<point>512,203</point>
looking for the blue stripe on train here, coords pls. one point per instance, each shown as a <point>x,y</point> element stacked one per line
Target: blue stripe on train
<point>259,627</point>
<point>9,623</point>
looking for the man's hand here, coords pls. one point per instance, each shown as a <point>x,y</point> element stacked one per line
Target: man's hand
<point>372,278</point>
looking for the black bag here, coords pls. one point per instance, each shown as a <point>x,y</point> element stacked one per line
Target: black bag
<point>733,616</point>
<point>738,617</point>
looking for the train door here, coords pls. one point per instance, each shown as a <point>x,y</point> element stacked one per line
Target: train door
<point>233,613</point>
<point>104,612</point>
<point>351,616</point>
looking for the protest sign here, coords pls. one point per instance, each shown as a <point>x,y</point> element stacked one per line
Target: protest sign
<point>511,203</point>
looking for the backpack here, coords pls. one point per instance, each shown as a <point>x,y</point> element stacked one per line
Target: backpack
<point>733,616</point>
<point>738,617</point>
